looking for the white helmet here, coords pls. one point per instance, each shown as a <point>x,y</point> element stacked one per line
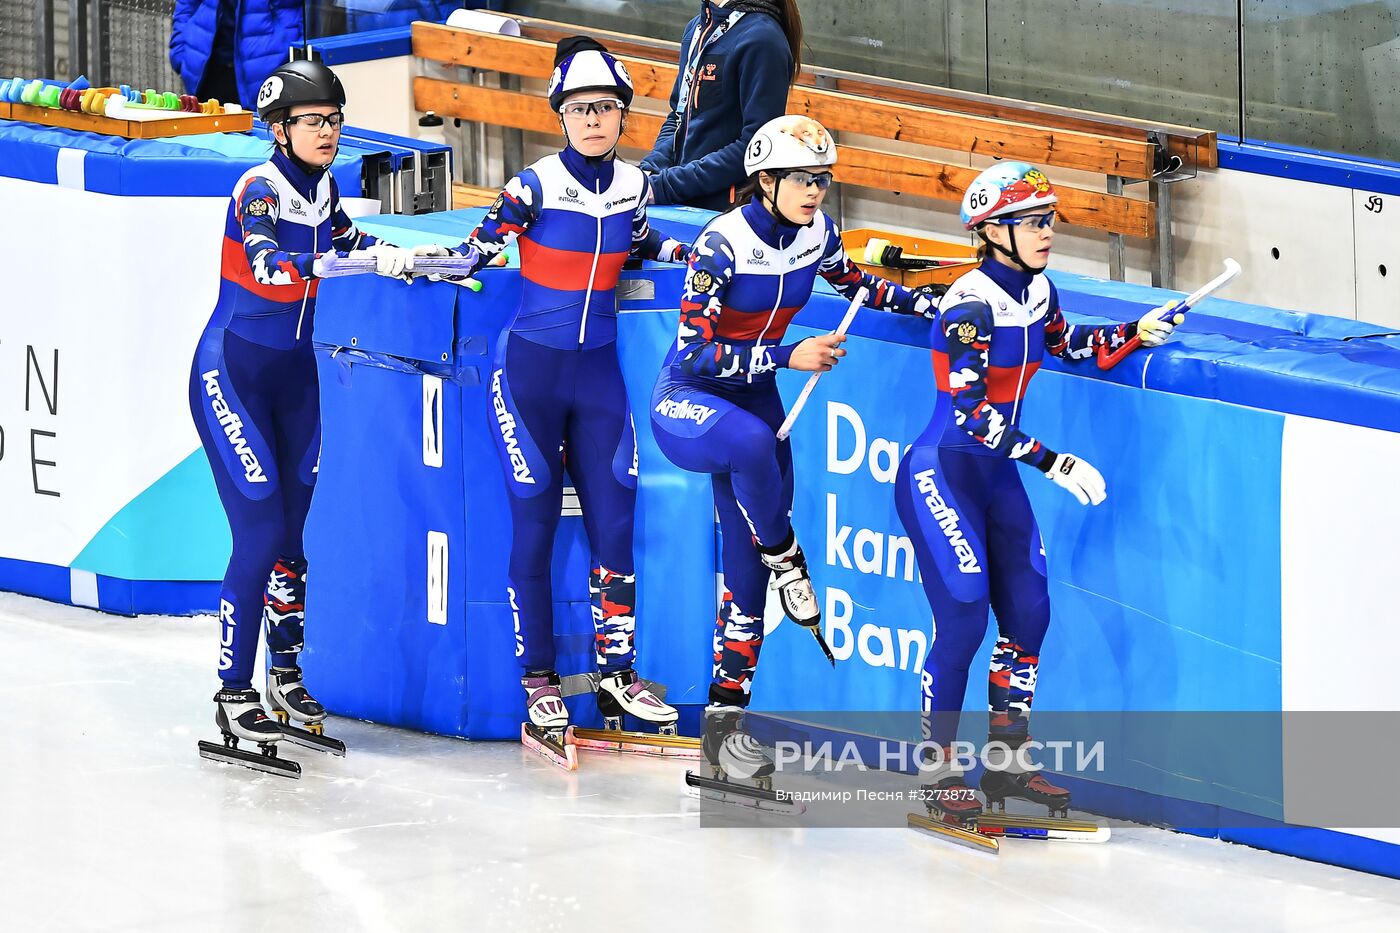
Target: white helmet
<point>790,141</point>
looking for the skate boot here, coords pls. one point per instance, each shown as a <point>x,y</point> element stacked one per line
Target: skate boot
<point>624,692</point>
<point>543,732</point>
<point>299,714</point>
<point>794,586</point>
<point>997,786</point>
<point>239,715</point>
<point>953,807</point>
<point>741,773</point>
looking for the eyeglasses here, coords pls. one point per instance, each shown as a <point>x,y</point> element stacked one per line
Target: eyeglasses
<point>1033,221</point>
<point>603,108</point>
<point>317,120</point>
<point>802,179</point>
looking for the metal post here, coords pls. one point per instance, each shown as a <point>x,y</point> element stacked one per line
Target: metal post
<point>1116,254</point>
<point>1164,266</point>
<point>77,38</point>
<point>97,43</point>
<point>43,39</point>
<point>473,138</point>
<point>835,197</point>
<point>512,140</point>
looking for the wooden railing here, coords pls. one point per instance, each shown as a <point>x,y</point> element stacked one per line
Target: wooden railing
<point>1123,151</point>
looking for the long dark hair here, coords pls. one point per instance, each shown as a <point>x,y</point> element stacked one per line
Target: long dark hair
<point>792,28</point>
<point>788,16</point>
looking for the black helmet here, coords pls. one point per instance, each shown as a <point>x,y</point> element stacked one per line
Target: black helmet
<point>299,82</point>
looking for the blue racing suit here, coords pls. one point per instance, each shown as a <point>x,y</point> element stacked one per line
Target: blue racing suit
<point>960,498</point>
<point>556,390</point>
<point>255,401</point>
<point>716,407</point>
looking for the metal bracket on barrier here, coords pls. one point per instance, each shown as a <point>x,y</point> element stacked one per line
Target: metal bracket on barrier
<point>377,178</point>
<point>434,182</point>
<point>1168,168</point>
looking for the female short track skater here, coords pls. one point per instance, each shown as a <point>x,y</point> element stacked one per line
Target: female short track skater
<point>557,396</point>
<point>254,395</point>
<point>716,407</point>
<point>959,493</point>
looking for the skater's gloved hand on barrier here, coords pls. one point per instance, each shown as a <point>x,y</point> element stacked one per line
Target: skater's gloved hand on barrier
<point>818,354</point>
<point>391,261</point>
<point>1083,481</point>
<point>325,264</point>
<point>431,249</point>
<point>1156,326</point>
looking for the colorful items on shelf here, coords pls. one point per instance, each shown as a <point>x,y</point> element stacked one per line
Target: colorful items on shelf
<point>81,96</point>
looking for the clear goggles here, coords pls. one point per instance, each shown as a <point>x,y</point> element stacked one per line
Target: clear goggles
<point>802,179</point>
<point>317,120</point>
<point>582,108</point>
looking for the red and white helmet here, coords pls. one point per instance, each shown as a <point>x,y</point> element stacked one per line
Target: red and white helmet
<point>1005,188</point>
<point>789,141</point>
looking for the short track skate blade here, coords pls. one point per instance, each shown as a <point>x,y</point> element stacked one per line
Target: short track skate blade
<point>957,834</point>
<point>636,743</point>
<point>1017,821</point>
<point>268,764</point>
<point>312,740</point>
<point>1103,834</point>
<point>561,756</point>
<point>741,795</point>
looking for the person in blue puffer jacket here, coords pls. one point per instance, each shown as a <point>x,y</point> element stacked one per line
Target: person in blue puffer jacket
<point>224,48</point>
<point>738,58</point>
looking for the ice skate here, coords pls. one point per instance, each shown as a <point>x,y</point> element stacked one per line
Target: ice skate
<point>794,586</point>
<point>953,809</point>
<point>239,715</point>
<point>299,715</point>
<point>1007,780</point>
<point>543,732</point>
<point>741,773</point>
<point>624,693</point>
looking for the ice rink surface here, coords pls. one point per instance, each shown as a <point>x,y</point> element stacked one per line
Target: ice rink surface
<point>111,821</point>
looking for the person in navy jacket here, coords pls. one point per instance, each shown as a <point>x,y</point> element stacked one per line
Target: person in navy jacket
<point>738,59</point>
<point>716,408</point>
<point>958,491</point>
<point>556,391</point>
<point>253,389</point>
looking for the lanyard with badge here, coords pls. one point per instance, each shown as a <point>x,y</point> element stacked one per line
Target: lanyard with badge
<point>692,63</point>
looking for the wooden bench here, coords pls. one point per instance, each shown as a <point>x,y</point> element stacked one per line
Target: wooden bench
<point>1123,151</point>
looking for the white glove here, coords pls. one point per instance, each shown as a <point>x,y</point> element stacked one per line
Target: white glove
<point>324,265</point>
<point>1156,326</point>
<point>391,261</point>
<point>432,249</point>
<point>1083,481</point>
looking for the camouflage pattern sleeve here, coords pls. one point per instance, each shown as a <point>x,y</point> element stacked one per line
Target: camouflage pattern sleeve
<point>968,330</point>
<point>847,278</point>
<point>516,208</point>
<point>257,208</point>
<point>648,243</point>
<point>1073,342</point>
<point>701,353</point>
